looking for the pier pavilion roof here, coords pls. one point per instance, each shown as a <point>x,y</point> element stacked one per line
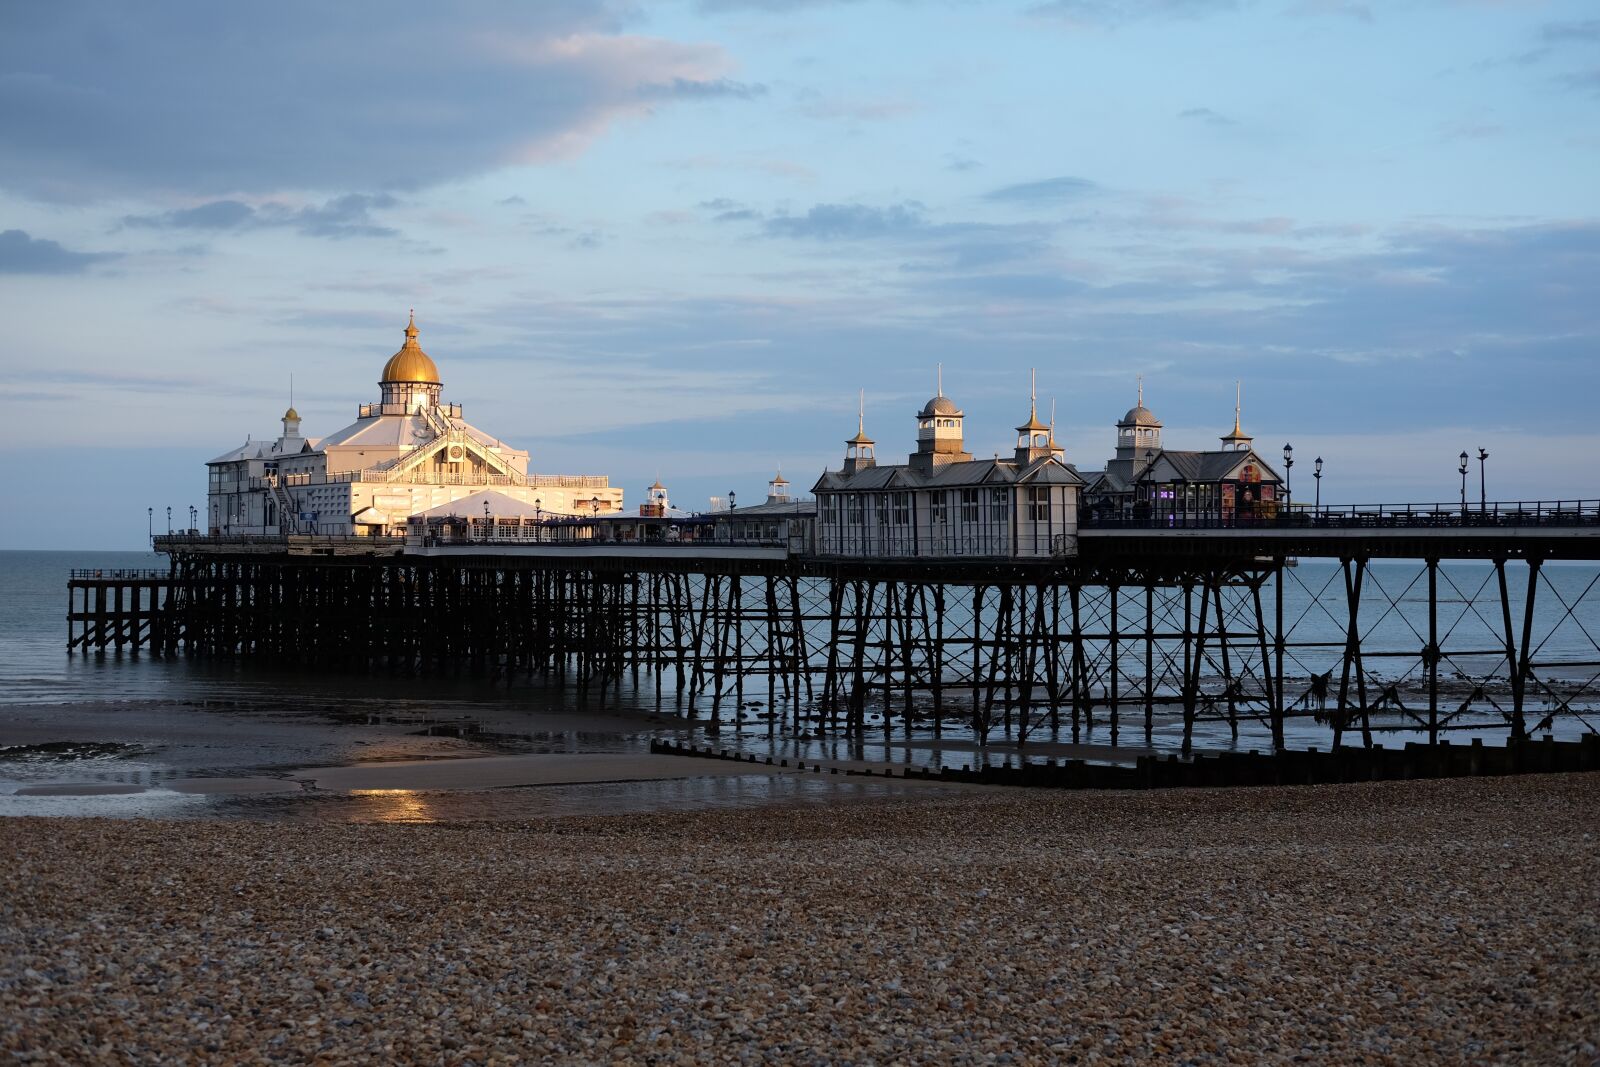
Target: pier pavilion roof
<point>1216,466</point>
<point>1045,471</point>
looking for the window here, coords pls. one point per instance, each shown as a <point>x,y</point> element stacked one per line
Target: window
<point>999,505</point>
<point>936,499</point>
<point>853,502</point>
<point>902,509</point>
<point>1039,505</point>
<point>969,506</point>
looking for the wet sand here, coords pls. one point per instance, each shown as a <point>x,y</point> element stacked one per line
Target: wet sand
<point>1402,922</point>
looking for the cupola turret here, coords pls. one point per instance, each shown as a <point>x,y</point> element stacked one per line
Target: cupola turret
<point>1237,440</point>
<point>1139,431</point>
<point>1035,439</point>
<point>410,380</point>
<point>938,432</point>
<point>858,450</point>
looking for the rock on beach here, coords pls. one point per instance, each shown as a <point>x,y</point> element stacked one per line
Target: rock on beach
<point>1400,922</point>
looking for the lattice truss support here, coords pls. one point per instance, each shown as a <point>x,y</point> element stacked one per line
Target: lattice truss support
<point>1361,646</point>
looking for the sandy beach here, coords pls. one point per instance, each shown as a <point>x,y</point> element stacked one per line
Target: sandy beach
<point>1408,922</point>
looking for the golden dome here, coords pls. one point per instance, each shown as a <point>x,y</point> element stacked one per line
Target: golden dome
<point>291,414</point>
<point>411,363</point>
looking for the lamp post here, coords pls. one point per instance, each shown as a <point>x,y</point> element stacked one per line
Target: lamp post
<point>486,520</point>
<point>733,500</point>
<point>1316,472</point>
<point>1288,475</point>
<point>1463,471</point>
<point>1483,497</point>
<point>169,520</point>
<point>194,518</point>
<point>594,505</point>
<point>150,525</point>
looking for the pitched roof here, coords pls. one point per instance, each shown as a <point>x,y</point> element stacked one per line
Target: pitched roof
<point>977,472</point>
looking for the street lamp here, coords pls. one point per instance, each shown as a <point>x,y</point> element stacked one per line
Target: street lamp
<point>486,520</point>
<point>150,524</point>
<point>1316,472</point>
<point>169,520</point>
<point>594,505</point>
<point>1288,474</point>
<point>1483,498</point>
<point>194,518</point>
<point>1463,470</point>
<point>733,500</point>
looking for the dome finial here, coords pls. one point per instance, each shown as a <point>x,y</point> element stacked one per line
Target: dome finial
<point>1238,402</point>
<point>939,379</point>
<point>411,326</point>
<point>1141,390</point>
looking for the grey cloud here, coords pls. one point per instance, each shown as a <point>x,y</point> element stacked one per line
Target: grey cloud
<point>740,215</point>
<point>512,201</point>
<point>1588,30</point>
<point>1359,12</point>
<point>1586,82</point>
<point>99,99</point>
<point>22,254</point>
<point>848,222</point>
<point>775,6</point>
<point>1115,12</point>
<point>1207,116</point>
<point>343,216</point>
<point>720,203</point>
<point>686,89</point>
<point>1049,190</point>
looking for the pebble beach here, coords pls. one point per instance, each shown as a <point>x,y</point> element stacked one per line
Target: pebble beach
<point>1405,922</point>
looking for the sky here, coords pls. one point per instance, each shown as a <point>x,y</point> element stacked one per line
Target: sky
<point>680,239</point>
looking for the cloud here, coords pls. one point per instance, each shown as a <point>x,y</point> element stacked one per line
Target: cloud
<point>1117,12</point>
<point>686,89</point>
<point>1207,116</point>
<point>1047,191</point>
<point>831,222</point>
<point>21,254</point>
<point>343,216</point>
<point>99,99</point>
<point>1344,8</point>
<point>1556,32</point>
<point>1586,82</point>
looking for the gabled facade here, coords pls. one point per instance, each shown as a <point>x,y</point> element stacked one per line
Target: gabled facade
<point>943,503</point>
<point>1146,482</point>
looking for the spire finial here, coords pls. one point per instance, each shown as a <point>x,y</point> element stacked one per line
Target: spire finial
<point>1033,392</point>
<point>939,373</point>
<point>1238,402</point>
<point>861,413</point>
<point>1141,390</point>
<point>1052,422</point>
<point>411,326</point>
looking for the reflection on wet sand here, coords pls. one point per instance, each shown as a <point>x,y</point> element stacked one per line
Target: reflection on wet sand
<point>390,805</point>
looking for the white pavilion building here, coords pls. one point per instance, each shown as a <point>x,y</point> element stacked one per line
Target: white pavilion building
<point>404,455</point>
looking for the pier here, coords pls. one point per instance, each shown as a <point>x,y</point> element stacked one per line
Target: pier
<point>1156,618</point>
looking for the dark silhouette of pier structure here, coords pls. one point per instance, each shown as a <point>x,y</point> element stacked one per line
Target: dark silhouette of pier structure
<point>1196,619</point>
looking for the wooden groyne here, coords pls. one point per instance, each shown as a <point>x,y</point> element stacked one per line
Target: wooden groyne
<point>1288,767</point>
